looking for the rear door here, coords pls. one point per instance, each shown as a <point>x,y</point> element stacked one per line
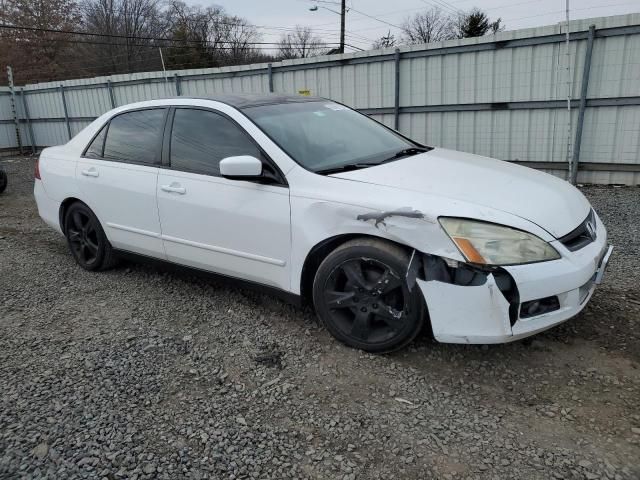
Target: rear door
<point>233,227</point>
<point>118,174</point>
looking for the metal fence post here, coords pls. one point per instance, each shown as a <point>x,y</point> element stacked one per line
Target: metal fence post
<point>396,94</point>
<point>270,74</point>
<point>14,108</point>
<point>111,96</point>
<point>583,105</point>
<point>29,127</point>
<point>66,112</point>
<point>178,86</point>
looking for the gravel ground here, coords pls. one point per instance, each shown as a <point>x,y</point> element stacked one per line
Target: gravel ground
<point>140,373</point>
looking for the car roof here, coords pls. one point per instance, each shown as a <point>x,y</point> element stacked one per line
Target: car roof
<point>248,100</point>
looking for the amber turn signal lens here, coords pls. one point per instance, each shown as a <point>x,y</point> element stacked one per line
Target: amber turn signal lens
<point>469,250</point>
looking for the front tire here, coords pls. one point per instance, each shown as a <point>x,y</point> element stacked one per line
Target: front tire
<point>360,294</point>
<point>86,239</point>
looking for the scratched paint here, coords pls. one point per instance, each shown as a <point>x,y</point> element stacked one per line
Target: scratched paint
<point>380,217</point>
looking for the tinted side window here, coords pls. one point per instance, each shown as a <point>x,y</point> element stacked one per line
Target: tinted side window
<point>135,136</point>
<point>96,147</point>
<point>200,139</point>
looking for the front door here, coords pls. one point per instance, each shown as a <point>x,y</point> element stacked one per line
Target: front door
<point>232,227</point>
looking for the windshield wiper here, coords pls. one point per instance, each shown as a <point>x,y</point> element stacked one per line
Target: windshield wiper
<point>406,152</point>
<point>345,168</point>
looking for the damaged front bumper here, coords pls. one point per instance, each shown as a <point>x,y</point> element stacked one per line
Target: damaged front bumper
<point>470,305</point>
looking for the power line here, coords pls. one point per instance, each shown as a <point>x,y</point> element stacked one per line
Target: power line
<point>222,46</point>
<point>126,37</point>
<point>373,18</point>
<point>508,5</point>
<point>351,9</point>
<point>441,5</point>
<point>573,10</point>
<point>109,63</point>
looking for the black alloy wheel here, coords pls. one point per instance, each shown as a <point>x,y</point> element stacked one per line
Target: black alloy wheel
<point>87,241</point>
<point>361,295</point>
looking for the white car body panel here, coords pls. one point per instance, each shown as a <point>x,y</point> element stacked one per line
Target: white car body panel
<point>123,197</point>
<point>479,314</point>
<point>48,208</point>
<point>484,182</point>
<point>454,313</point>
<point>232,227</point>
<point>265,233</point>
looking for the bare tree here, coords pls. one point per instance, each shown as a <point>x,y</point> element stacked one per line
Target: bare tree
<point>33,52</point>
<point>209,37</point>
<point>193,39</point>
<point>300,43</point>
<point>387,41</point>
<point>239,40</point>
<point>430,26</point>
<point>63,39</point>
<point>130,27</point>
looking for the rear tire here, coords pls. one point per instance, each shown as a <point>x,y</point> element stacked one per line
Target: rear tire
<point>3,180</point>
<point>86,239</point>
<point>360,294</point>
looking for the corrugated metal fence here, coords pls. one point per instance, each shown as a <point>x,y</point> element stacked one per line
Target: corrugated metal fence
<point>503,96</point>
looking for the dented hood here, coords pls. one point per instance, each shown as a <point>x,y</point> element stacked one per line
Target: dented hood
<point>549,202</point>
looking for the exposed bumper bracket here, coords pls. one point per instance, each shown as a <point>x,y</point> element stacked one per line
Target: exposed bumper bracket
<point>603,265</point>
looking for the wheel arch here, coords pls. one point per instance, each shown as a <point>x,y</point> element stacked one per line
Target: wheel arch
<point>321,250</point>
<point>64,207</point>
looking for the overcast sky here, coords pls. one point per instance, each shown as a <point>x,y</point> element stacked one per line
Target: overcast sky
<point>277,15</point>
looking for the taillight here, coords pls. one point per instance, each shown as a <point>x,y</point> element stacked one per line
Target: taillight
<point>36,173</point>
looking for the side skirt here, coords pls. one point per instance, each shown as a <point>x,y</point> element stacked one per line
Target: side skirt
<point>283,295</point>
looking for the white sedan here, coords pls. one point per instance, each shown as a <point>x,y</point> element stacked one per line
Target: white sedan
<point>317,202</point>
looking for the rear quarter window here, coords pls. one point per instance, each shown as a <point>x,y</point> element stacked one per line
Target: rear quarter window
<point>96,147</point>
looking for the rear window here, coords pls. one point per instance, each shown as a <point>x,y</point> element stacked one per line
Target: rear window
<point>135,137</point>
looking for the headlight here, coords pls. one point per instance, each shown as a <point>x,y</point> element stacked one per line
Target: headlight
<point>490,244</point>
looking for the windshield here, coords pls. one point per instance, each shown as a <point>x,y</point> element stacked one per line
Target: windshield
<point>324,135</point>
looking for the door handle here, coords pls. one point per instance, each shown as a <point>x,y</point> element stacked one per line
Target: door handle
<point>91,172</point>
<point>174,188</point>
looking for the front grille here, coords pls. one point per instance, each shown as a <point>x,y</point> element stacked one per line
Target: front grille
<point>581,236</point>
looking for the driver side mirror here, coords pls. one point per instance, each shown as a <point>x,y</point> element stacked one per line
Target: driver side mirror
<point>241,167</point>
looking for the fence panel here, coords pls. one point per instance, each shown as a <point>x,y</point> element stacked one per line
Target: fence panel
<point>87,102</point>
<point>7,126</point>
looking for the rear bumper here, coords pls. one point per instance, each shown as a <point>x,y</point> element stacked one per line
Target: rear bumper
<point>480,314</point>
<point>48,209</point>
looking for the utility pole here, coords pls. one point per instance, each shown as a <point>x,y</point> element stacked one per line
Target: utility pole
<point>343,13</point>
<point>568,80</point>
<point>14,107</point>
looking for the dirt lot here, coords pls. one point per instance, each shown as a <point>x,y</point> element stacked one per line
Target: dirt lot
<point>139,373</point>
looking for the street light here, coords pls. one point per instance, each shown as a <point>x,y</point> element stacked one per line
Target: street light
<point>342,12</point>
